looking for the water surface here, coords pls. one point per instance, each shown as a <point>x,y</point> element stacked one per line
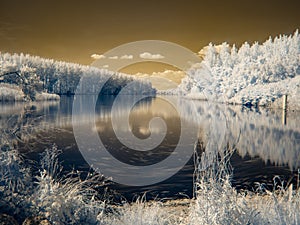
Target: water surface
<point>265,145</point>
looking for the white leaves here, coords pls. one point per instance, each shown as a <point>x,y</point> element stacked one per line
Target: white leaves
<point>47,75</point>
<point>250,67</point>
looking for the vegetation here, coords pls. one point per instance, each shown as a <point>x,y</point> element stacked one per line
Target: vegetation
<point>256,74</point>
<point>71,199</point>
<point>33,75</point>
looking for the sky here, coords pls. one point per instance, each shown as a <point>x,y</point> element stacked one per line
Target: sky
<point>74,30</point>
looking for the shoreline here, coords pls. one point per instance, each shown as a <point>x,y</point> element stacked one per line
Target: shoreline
<point>292,104</point>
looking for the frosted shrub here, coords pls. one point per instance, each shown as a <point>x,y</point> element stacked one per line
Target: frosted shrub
<point>67,200</point>
<point>15,184</point>
<point>217,202</point>
<point>13,174</point>
<point>61,199</point>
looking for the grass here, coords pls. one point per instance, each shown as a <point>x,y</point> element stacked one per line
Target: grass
<point>71,199</point>
<point>60,199</point>
<point>217,202</point>
<point>68,200</point>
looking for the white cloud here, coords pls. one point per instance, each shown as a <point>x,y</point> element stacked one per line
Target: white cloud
<point>97,56</point>
<point>175,76</point>
<point>126,57</point>
<point>148,55</point>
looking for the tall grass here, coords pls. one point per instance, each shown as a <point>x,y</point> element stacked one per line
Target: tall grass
<point>15,184</point>
<point>140,212</point>
<point>217,202</point>
<point>62,199</point>
<point>71,199</point>
<point>67,199</point>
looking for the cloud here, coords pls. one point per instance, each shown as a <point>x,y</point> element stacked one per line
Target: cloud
<point>175,76</point>
<point>148,55</point>
<point>126,57</point>
<point>97,56</point>
<point>105,66</point>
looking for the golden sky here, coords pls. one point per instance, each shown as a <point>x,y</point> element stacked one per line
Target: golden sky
<point>73,30</point>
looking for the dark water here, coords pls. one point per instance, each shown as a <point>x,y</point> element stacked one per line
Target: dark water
<point>266,146</point>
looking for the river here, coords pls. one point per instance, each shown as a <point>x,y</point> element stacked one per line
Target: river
<point>265,143</point>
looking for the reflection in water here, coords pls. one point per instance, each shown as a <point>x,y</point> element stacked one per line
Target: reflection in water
<point>258,135</point>
<point>255,133</point>
<point>133,152</point>
<point>21,122</point>
<point>138,125</point>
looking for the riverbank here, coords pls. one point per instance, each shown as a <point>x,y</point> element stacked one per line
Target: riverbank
<point>218,204</point>
<point>12,93</point>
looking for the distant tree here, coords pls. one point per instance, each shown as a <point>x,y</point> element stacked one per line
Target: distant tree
<point>60,77</point>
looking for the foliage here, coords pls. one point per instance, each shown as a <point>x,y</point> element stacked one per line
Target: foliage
<point>34,74</point>
<point>60,199</point>
<point>253,74</point>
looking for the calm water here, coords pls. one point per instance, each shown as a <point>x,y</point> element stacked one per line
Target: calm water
<point>266,145</point>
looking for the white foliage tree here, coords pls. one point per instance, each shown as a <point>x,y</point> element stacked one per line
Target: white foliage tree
<point>234,71</point>
<point>62,77</point>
